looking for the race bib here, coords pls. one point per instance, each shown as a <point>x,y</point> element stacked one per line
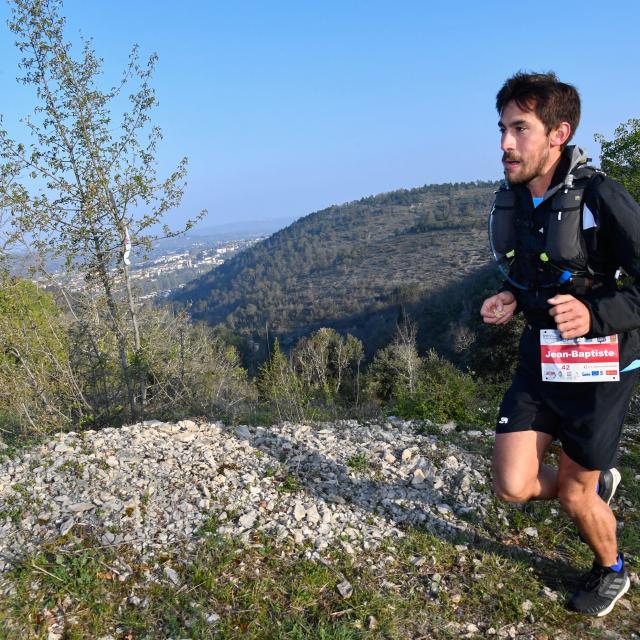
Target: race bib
<point>578,359</point>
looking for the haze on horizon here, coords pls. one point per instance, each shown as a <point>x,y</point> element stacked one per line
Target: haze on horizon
<point>286,108</point>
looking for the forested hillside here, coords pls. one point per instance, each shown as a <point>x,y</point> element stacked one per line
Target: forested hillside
<point>350,266</point>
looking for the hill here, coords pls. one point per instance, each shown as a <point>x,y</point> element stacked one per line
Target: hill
<point>350,266</point>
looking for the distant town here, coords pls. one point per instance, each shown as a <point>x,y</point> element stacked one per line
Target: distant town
<point>167,267</point>
<point>178,267</point>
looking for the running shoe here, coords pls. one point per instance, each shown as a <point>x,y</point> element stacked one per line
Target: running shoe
<point>602,588</point>
<point>608,483</point>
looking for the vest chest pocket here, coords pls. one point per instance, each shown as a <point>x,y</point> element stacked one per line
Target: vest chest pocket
<point>564,239</point>
<point>503,227</point>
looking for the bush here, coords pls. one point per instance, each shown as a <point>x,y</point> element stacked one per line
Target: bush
<point>187,370</point>
<point>37,388</point>
<point>282,389</point>
<point>442,393</point>
<point>395,368</point>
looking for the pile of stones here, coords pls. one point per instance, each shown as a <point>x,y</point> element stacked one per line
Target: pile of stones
<point>152,485</point>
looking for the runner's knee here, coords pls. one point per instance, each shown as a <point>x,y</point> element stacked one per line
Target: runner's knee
<point>572,496</point>
<point>514,489</point>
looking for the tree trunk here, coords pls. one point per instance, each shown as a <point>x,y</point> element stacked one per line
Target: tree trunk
<point>117,331</point>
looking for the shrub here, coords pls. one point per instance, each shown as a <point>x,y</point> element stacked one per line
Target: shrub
<point>282,389</point>
<point>37,388</point>
<point>442,393</point>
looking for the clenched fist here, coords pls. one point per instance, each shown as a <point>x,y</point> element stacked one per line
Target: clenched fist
<point>572,316</point>
<point>499,309</point>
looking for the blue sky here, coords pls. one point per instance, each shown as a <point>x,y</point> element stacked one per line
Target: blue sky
<point>284,108</point>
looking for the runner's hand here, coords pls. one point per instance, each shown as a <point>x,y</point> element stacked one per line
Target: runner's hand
<point>499,309</point>
<point>572,316</point>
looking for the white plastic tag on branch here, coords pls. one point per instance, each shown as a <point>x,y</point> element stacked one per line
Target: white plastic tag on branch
<point>127,247</point>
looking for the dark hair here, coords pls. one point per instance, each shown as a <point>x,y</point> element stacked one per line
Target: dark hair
<point>551,100</point>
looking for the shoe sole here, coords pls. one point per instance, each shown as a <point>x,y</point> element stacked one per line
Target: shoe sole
<point>616,481</point>
<point>610,607</point>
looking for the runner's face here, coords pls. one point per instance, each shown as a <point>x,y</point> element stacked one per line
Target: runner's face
<point>525,144</point>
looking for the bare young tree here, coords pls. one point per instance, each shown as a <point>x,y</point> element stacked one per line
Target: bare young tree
<point>325,358</point>
<point>406,359</point>
<point>85,189</point>
<point>397,367</point>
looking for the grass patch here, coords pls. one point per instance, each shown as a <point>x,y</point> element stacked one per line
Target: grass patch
<point>290,484</point>
<point>358,463</point>
<point>72,466</point>
<point>12,445</point>
<point>421,586</point>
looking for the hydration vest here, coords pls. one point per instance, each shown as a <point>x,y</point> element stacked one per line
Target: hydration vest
<point>546,249</point>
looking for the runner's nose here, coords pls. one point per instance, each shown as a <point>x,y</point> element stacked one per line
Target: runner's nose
<point>507,141</point>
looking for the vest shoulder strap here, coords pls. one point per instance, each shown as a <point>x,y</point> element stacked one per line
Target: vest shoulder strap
<point>582,175</point>
<point>570,196</point>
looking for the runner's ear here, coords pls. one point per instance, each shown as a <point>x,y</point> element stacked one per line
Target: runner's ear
<point>560,134</point>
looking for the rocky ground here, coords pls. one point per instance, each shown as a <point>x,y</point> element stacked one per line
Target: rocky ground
<point>153,484</point>
<point>344,502</point>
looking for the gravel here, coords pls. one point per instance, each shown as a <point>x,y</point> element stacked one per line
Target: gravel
<point>154,484</point>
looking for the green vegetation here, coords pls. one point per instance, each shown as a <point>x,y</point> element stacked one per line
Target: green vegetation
<point>290,484</point>
<point>54,376</point>
<point>620,157</point>
<point>442,393</point>
<point>36,380</point>
<point>398,380</point>
<point>358,462</point>
<point>84,189</point>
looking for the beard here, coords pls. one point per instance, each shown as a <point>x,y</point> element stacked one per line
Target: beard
<point>526,170</point>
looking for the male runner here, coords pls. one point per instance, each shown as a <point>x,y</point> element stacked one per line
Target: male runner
<point>571,229</point>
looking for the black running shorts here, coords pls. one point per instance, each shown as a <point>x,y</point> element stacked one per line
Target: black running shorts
<point>586,417</point>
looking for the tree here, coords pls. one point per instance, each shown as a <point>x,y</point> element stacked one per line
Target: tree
<point>326,361</point>
<point>282,388</point>
<point>397,366</point>
<point>84,189</point>
<point>620,157</point>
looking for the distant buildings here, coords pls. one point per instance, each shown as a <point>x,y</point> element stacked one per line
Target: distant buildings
<point>180,267</point>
